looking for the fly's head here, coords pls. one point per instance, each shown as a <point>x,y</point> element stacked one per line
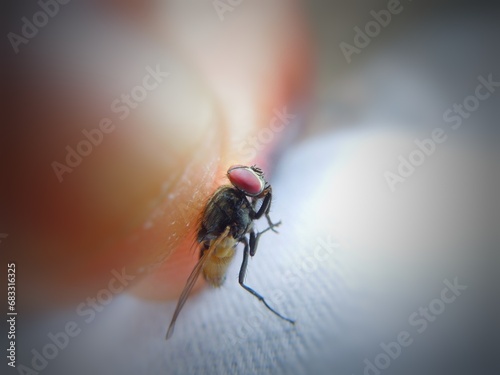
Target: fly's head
<point>249,180</point>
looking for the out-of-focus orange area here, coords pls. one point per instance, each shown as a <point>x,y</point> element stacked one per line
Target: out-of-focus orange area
<point>122,119</point>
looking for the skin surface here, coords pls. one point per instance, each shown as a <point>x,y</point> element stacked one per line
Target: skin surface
<point>132,202</point>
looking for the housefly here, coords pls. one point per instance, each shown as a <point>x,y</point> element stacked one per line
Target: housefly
<point>226,221</point>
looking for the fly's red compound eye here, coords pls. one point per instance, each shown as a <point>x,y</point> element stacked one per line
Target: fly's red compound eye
<point>246,179</point>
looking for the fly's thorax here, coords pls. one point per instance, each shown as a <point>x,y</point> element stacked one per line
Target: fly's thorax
<point>227,207</point>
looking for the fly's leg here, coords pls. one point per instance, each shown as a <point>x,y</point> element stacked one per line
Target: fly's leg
<point>243,270</point>
<point>254,239</point>
<point>264,210</point>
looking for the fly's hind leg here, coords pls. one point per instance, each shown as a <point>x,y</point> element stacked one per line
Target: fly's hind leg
<point>246,252</point>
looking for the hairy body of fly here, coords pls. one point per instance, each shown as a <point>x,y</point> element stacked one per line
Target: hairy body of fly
<point>228,207</point>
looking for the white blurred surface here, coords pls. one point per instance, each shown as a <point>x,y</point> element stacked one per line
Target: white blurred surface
<point>393,250</point>
<point>390,254</point>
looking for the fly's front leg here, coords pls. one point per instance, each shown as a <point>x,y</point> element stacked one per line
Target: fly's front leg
<point>264,210</point>
<point>254,240</point>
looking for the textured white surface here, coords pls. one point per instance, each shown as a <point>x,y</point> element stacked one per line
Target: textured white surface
<point>351,263</point>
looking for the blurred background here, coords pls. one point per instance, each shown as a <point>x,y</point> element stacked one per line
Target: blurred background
<point>375,122</point>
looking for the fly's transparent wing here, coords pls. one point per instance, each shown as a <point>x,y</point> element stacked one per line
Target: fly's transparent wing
<point>192,279</point>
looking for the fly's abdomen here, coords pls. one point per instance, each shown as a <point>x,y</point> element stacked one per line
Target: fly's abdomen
<point>216,266</point>
<point>215,269</point>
